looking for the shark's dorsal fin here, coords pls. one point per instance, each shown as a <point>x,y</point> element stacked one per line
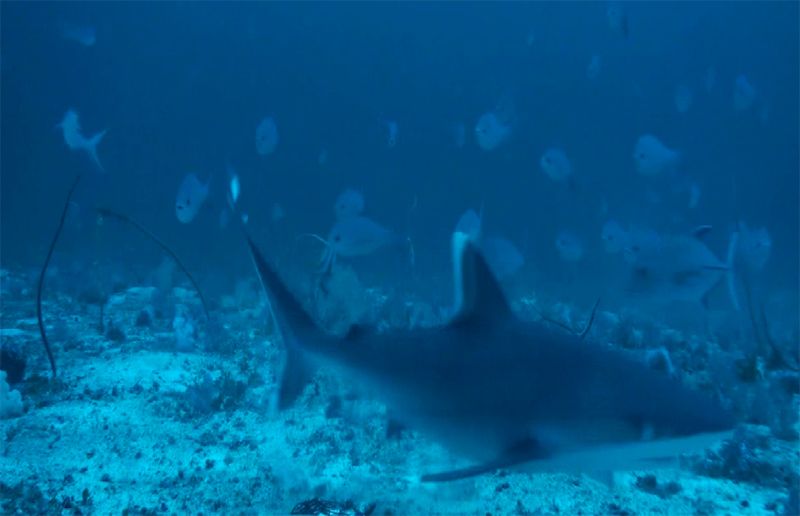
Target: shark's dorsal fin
<point>478,296</point>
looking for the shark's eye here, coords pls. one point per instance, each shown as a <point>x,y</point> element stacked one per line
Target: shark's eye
<point>180,207</point>
<point>337,238</point>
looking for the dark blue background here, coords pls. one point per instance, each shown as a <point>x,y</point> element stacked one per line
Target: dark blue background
<point>181,88</point>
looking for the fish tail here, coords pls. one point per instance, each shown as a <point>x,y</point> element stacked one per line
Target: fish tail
<point>730,272</point>
<point>91,148</point>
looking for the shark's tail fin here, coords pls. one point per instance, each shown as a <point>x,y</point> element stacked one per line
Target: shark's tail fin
<point>293,323</point>
<point>730,272</point>
<point>290,318</point>
<point>91,148</point>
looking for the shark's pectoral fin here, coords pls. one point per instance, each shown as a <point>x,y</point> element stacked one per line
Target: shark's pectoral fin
<point>296,375</point>
<point>519,453</point>
<point>460,474</point>
<point>478,296</point>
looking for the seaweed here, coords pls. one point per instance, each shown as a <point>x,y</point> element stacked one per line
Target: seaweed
<point>766,346</point>
<point>42,274</point>
<point>580,334</point>
<point>106,212</point>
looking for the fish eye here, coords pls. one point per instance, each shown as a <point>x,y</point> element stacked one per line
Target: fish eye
<point>180,206</point>
<point>337,238</point>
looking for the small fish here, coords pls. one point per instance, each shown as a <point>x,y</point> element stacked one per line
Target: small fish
<point>640,238</point>
<point>355,236</point>
<point>82,34</point>
<point>683,98</point>
<point>350,203</point>
<point>569,246</point>
<point>755,247</point>
<point>502,256</point>
<point>617,19</point>
<point>556,165</point>
<point>744,94</point>
<point>392,129</point>
<point>234,190</point>
<point>266,136</point>
<point>191,196</point>
<point>593,68</point>
<point>71,128</point>
<point>614,236</point>
<point>490,131</point>
<point>359,236</point>
<point>235,186</point>
<point>653,157</point>
<point>679,267</point>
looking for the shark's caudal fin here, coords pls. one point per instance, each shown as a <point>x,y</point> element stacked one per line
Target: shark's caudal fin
<point>91,148</point>
<point>478,296</point>
<point>293,323</point>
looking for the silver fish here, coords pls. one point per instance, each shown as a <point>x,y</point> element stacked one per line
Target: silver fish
<point>678,267</point>
<point>356,236</point>
<point>349,203</point>
<point>191,196</point>
<point>75,140</point>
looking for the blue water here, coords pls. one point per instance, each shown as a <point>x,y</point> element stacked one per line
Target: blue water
<point>181,87</point>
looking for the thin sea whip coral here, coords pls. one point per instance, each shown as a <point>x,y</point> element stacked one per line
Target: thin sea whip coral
<point>44,271</point>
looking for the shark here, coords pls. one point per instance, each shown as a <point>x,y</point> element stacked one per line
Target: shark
<point>498,391</point>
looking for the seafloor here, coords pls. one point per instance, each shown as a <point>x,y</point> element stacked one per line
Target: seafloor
<point>156,410</point>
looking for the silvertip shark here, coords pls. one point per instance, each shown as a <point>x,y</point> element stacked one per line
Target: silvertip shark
<point>500,391</point>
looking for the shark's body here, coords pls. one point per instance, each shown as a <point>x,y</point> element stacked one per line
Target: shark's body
<point>501,391</point>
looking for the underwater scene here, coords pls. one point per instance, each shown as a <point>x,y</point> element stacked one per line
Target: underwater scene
<point>372,258</point>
